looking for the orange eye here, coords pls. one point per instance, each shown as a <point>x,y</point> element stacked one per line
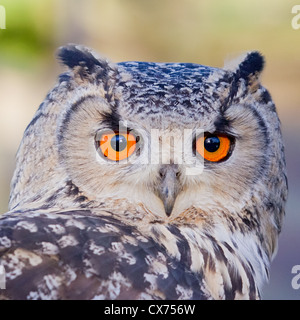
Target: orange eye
<point>117,146</point>
<point>213,147</point>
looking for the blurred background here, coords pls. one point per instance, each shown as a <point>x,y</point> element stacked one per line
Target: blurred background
<point>200,31</point>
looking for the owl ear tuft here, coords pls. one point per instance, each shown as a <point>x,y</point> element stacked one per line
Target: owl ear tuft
<point>83,62</point>
<point>247,66</point>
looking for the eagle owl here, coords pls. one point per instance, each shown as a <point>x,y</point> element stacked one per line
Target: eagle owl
<point>139,180</point>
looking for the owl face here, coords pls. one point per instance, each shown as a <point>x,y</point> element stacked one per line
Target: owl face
<point>167,137</point>
<point>164,138</point>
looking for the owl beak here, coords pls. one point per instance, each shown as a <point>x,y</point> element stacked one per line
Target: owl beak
<point>169,186</point>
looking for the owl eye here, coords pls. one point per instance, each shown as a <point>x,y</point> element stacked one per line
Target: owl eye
<point>117,146</point>
<point>213,147</point>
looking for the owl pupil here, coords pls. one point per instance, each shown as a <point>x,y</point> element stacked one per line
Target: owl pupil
<point>118,142</point>
<point>212,144</point>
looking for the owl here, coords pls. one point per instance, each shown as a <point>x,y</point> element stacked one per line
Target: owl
<point>139,180</point>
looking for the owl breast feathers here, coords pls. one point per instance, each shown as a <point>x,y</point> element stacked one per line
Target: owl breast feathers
<point>139,180</point>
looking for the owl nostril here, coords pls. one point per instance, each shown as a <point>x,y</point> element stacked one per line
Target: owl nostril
<point>169,169</point>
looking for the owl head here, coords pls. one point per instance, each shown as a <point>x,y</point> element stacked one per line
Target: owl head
<point>169,142</point>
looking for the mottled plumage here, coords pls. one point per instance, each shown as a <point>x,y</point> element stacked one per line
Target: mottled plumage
<point>81,226</point>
